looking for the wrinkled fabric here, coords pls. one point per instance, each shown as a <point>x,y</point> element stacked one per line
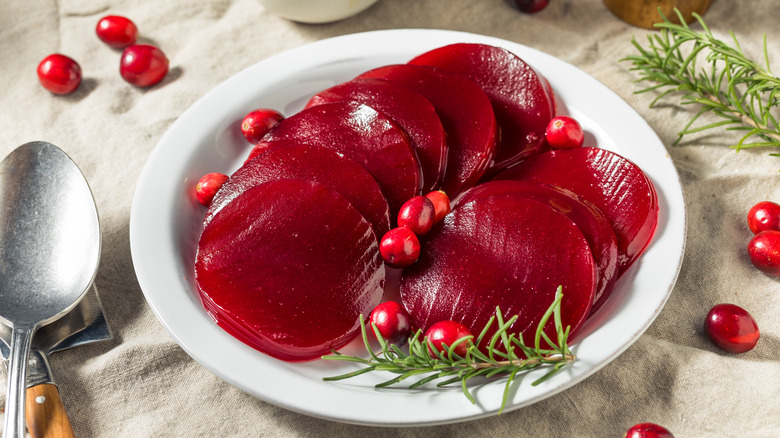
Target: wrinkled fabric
<point>142,384</point>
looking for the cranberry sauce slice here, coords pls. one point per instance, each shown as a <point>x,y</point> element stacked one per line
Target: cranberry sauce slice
<point>360,133</point>
<point>590,220</point>
<point>310,163</point>
<point>410,109</point>
<point>612,183</point>
<point>287,267</point>
<point>504,251</point>
<point>465,113</point>
<point>518,93</point>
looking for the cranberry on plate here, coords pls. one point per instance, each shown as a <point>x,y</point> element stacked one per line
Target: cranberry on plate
<point>564,133</point>
<point>143,65</point>
<point>417,214</point>
<point>392,321</point>
<point>447,332</point>
<point>258,122</point>
<point>400,247</point>
<point>59,74</point>
<point>208,186</point>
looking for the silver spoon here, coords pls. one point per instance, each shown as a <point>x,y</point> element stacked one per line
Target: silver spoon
<point>49,253</point>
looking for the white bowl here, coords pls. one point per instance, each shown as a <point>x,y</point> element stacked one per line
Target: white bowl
<point>316,11</point>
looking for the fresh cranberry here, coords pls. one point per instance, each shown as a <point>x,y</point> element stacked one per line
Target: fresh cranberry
<point>59,74</point>
<point>441,204</point>
<point>764,252</point>
<point>400,247</point>
<point>648,430</point>
<point>392,321</point>
<point>208,186</point>
<point>764,216</point>
<point>731,328</point>
<point>258,122</point>
<point>564,133</point>
<point>116,31</point>
<point>143,65</point>
<point>531,6</point>
<point>417,214</point>
<point>447,332</point>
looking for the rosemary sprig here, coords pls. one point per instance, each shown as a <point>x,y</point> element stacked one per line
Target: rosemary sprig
<point>506,355</point>
<point>742,92</point>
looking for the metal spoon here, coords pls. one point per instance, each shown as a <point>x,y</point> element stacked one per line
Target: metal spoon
<point>49,252</point>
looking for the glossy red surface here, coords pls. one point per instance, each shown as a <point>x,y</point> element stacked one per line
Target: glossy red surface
<point>647,430</point>
<point>504,251</point>
<point>447,333</point>
<point>311,163</point>
<point>731,328</point>
<point>616,186</point>
<point>360,133</point>
<point>399,247</point>
<point>520,99</point>
<point>392,321</point>
<point>466,115</point>
<point>59,74</point>
<point>257,123</point>
<point>596,229</point>
<point>287,267</point>
<point>143,65</point>
<point>405,106</point>
<point>208,186</point>
<point>764,252</point>
<point>116,31</point>
<point>764,216</point>
<point>418,215</point>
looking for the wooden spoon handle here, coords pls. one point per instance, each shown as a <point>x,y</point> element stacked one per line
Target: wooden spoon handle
<point>45,413</point>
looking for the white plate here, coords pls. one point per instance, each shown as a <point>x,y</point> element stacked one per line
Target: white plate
<point>165,224</point>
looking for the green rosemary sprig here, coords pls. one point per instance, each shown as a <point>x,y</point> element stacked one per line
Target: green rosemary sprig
<point>506,355</point>
<point>742,92</point>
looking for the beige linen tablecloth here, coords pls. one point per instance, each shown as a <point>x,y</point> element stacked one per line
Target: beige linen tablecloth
<point>142,384</point>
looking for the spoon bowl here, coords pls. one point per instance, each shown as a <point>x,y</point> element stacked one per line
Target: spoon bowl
<point>49,252</point>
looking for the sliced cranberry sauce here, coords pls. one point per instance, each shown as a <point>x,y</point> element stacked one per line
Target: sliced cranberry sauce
<point>410,109</point>
<point>310,163</point>
<point>520,96</point>
<point>612,183</point>
<point>464,111</point>
<point>594,226</point>
<point>360,133</point>
<point>287,267</point>
<point>505,251</point>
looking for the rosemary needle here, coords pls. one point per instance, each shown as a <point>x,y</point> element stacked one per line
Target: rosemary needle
<point>741,92</point>
<point>506,355</point>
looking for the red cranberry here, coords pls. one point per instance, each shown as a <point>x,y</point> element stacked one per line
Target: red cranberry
<point>564,133</point>
<point>441,204</point>
<point>417,214</point>
<point>392,321</point>
<point>447,332</point>
<point>648,430</point>
<point>764,252</point>
<point>143,65</point>
<point>400,247</point>
<point>208,186</point>
<point>59,74</point>
<point>731,328</point>
<point>531,6</point>
<point>258,122</point>
<point>764,216</point>
<point>116,31</point>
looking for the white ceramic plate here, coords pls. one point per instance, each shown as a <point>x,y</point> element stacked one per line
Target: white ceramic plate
<point>165,223</point>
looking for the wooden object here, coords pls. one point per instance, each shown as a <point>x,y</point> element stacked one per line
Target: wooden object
<point>644,13</point>
<point>45,413</point>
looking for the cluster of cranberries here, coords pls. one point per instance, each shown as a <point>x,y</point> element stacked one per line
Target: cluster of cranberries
<point>142,65</point>
<point>400,247</point>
